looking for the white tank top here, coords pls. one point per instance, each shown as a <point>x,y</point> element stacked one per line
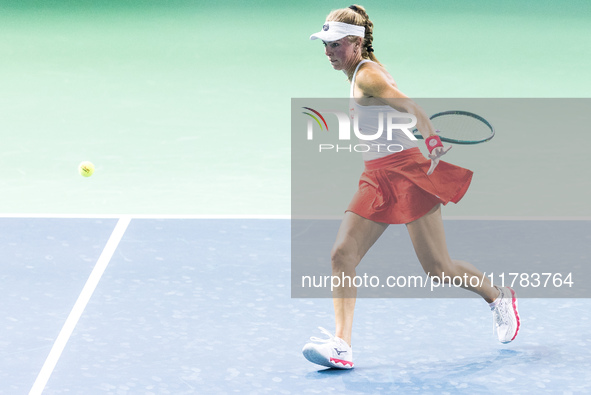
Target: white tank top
<point>368,118</point>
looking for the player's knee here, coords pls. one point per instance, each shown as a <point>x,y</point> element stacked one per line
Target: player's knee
<point>342,259</point>
<point>439,271</point>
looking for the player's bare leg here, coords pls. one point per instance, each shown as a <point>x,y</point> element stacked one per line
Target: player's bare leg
<point>355,237</point>
<point>428,238</point>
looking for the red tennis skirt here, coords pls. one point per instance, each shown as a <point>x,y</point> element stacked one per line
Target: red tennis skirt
<point>396,189</point>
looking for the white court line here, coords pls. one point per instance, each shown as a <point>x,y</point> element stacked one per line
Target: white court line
<point>258,216</point>
<point>144,216</point>
<point>468,218</point>
<point>516,218</point>
<point>79,306</point>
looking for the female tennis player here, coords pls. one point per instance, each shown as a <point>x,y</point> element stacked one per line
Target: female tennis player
<point>395,188</point>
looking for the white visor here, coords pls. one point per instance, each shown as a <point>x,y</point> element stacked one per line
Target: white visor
<point>333,31</point>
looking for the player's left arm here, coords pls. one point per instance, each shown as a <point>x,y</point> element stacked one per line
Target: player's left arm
<point>373,83</point>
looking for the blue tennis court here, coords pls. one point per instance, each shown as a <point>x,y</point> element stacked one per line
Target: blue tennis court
<point>203,306</point>
<point>170,270</point>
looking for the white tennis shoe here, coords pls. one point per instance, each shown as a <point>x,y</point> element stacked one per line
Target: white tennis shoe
<point>333,352</point>
<point>505,315</point>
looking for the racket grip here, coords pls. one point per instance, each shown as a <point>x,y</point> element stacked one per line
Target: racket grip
<point>433,142</point>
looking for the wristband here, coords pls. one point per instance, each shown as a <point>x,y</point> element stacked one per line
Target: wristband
<point>433,142</point>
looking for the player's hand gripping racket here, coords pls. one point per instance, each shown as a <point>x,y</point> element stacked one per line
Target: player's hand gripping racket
<point>457,127</point>
<point>460,127</point>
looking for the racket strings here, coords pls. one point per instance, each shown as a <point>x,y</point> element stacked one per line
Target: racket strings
<point>462,127</point>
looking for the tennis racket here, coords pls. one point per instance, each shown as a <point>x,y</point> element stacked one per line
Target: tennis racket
<point>460,127</point>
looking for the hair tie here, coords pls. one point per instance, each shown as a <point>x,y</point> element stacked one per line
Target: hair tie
<point>369,48</point>
<point>354,8</point>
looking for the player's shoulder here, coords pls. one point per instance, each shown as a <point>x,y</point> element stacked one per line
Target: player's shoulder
<point>369,70</point>
<point>371,74</point>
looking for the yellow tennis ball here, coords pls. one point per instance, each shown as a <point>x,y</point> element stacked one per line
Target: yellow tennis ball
<point>86,169</point>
